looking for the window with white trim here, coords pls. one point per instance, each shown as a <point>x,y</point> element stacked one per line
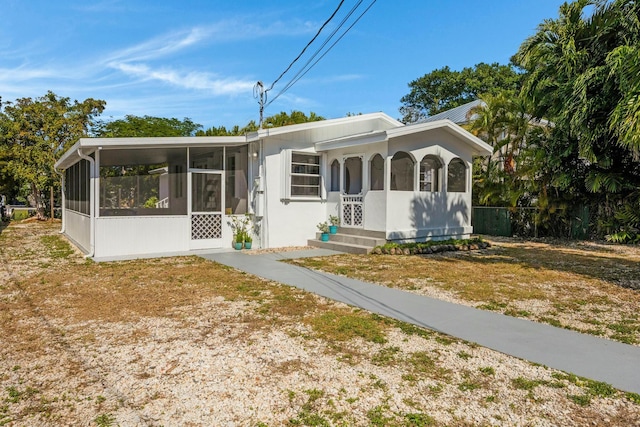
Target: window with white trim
<point>305,175</point>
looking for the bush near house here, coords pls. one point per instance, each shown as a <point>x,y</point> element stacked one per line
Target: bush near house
<point>431,247</point>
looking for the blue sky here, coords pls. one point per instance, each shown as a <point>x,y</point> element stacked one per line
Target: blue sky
<point>201,58</point>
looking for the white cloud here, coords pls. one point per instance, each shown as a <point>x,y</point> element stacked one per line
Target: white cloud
<point>21,74</point>
<point>189,80</point>
<point>219,32</point>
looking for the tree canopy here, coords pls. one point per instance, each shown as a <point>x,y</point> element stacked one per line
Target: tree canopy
<point>277,120</point>
<point>581,74</point>
<point>147,126</point>
<point>443,89</point>
<point>35,132</point>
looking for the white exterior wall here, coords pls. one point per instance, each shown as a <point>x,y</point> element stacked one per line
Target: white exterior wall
<point>77,227</point>
<point>151,235</point>
<point>142,235</point>
<point>375,211</point>
<point>426,215</point>
<point>413,215</point>
<point>287,222</point>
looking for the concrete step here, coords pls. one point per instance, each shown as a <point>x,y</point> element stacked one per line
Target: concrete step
<point>353,239</point>
<point>341,247</point>
<point>362,232</point>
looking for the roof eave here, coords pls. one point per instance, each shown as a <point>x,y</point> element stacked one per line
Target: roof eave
<point>480,148</point>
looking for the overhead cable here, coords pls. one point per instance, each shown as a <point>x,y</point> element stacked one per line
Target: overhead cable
<point>308,44</point>
<point>306,68</point>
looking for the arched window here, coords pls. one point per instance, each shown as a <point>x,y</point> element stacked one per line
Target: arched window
<point>376,173</point>
<point>402,172</point>
<point>335,176</point>
<point>430,168</point>
<point>457,176</point>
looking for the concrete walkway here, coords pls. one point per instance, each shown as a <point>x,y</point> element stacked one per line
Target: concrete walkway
<point>584,355</point>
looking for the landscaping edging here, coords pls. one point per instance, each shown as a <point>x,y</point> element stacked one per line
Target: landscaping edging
<point>429,248</point>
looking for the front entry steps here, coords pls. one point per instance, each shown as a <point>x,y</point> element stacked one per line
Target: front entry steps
<point>351,240</point>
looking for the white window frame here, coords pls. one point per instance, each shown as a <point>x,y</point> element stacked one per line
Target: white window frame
<point>289,174</point>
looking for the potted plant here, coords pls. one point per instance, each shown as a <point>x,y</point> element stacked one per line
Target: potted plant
<point>334,223</point>
<point>248,240</point>
<point>238,239</point>
<point>324,229</point>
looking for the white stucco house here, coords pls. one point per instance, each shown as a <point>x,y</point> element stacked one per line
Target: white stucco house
<point>138,197</point>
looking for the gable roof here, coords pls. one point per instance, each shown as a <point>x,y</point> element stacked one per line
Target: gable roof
<point>477,146</point>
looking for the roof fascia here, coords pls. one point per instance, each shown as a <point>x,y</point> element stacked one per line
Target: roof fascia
<point>264,133</point>
<point>147,142</point>
<point>480,147</point>
<point>350,141</point>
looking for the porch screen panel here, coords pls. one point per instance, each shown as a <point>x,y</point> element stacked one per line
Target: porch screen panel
<point>376,172</point>
<point>236,191</point>
<point>77,185</point>
<point>335,176</point>
<point>353,175</point>
<point>456,176</point>
<point>430,174</point>
<point>402,172</point>
<point>140,182</point>
<point>206,192</point>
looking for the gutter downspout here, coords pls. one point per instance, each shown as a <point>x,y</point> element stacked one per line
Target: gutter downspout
<point>92,227</point>
<point>64,199</point>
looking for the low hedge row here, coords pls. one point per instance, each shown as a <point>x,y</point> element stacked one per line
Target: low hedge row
<point>432,247</point>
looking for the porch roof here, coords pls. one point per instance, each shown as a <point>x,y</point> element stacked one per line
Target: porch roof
<point>90,145</point>
<point>477,146</point>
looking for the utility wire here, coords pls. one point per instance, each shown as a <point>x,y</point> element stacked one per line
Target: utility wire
<point>302,71</point>
<point>308,44</point>
<point>327,40</point>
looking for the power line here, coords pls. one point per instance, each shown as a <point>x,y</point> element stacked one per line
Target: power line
<point>308,44</point>
<point>304,71</point>
<point>329,37</point>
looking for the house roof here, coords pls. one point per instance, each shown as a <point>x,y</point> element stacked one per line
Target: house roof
<point>458,115</point>
<point>338,133</point>
<point>379,120</point>
<point>478,146</point>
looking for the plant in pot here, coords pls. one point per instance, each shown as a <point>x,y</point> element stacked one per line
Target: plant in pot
<point>324,229</point>
<point>334,222</point>
<point>248,240</point>
<point>238,239</point>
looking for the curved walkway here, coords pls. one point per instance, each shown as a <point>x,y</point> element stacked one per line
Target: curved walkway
<point>584,355</point>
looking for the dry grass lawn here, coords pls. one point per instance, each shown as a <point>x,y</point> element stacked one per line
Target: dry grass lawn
<point>589,287</point>
<point>183,341</point>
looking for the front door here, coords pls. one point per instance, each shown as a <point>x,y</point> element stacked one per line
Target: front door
<point>352,206</point>
<point>207,207</point>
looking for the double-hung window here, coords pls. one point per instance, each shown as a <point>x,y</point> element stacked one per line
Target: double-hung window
<point>305,175</point>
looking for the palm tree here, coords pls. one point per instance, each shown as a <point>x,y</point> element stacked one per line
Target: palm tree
<point>582,73</point>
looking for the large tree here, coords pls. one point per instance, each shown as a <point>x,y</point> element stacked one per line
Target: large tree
<point>147,126</point>
<point>443,89</point>
<point>582,74</point>
<point>35,132</point>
